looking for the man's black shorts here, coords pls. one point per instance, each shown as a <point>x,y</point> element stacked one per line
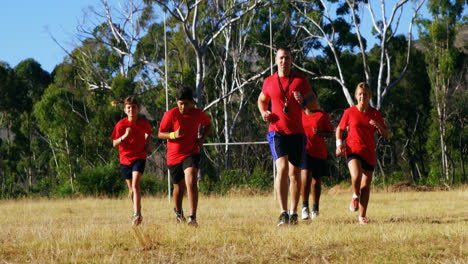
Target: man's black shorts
<point>318,167</point>
<point>127,170</point>
<point>293,145</point>
<point>177,170</point>
<point>364,164</point>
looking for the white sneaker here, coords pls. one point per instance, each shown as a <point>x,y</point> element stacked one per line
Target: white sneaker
<point>305,213</point>
<point>315,214</point>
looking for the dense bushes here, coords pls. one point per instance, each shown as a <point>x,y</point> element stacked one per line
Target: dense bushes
<point>103,180</point>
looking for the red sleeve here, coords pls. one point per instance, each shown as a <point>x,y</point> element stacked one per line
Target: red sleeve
<point>344,120</point>
<point>380,119</point>
<point>166,123</point>
<point>205,120</point>
<point>266,87</point>
<point>116,134</point>
<point>326,123</point>
<point>306,87</point>
<point>148,128</point>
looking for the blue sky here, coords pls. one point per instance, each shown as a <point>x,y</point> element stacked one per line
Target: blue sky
<point>26,27</point>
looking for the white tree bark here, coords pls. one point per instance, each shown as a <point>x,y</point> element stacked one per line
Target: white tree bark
<point>389,24</point>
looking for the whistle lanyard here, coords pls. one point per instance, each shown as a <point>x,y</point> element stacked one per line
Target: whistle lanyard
<point>285,93</point>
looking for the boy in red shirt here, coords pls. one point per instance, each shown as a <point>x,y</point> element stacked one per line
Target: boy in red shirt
<point>180,127</point>
<point>317,126</point>
<point>362,120</point>
<point>132,135</point>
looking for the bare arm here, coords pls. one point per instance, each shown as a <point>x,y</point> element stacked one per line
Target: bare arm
<point>382,130</point>
<point>167,135</point>
<point>206,132</point>
<point>309,98</point>
<point>339,143</point>
<point>148,143</point>
<point>117,142</point>
<point>262,104</point>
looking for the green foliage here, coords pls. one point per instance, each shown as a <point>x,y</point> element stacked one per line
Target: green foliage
<point>55,127</point>
<point>101,180</point>
<point>63,190</point>
<point>150,184</point>
<point>258,179</point>
<point>123,87</point>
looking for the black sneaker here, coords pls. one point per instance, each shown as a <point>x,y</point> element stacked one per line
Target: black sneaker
<point>180,216</point>
<point>284,219</point>
<point>192,221</point>
<point>293,219</point>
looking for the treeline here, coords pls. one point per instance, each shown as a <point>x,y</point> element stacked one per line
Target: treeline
<point>55,128</point>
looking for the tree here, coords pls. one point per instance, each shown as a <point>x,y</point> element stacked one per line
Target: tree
<point>443,62</point>
<point>336,34</point>
<point>202,22</point>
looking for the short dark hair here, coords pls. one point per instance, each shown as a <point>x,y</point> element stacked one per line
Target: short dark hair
<point>185,93</point>
<point>285,48</point>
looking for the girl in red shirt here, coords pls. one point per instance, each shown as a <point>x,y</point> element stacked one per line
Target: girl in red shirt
<point>180,127</point>
<point>133,136</point>
<point>318,127</point>
<point>362,120</point>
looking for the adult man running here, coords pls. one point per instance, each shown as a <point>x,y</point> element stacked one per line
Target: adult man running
<point>287,91</point>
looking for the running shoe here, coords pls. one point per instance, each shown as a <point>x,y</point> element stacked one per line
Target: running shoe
<point>315,214</point>
<point>293,219</point>
<point>137,219</point>
<point>283,219</point>
<point>192,221</point>
<point>354,205</point>
<point>363,220</point>
<point>180,216</point>
<point>305,213</point>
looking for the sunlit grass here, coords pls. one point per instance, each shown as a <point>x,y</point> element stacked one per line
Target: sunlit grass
<point>409,227</point>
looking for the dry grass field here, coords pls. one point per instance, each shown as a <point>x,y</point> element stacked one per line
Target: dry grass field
<point>405,227</point>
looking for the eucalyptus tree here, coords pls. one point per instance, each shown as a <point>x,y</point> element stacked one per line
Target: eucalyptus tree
<point>235,76</point>
<point>444,62</point>
<point>34,80</point>
<point>109,36</point>
<point>13,95</point>
<point>203,22</point>
<point>334,31</point>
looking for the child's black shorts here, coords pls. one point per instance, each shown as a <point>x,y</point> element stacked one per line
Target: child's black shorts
<point>127,170</point>
<point>177,170</point>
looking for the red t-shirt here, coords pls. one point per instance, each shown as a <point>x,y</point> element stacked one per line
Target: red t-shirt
<point>290,123</point>
<point>361,138</point>
<point>133,147</point>
<point>316,146</point>
<point>180,148</point>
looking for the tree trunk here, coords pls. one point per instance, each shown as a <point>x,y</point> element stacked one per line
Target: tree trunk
<point>70,170</point>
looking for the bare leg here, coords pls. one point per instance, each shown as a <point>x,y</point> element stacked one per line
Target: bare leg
<point>295,185</point>
<point>136,192</point>
<point>316,187</point>
<point>365,191</point>
<point>191,180</point>
<point>282,182</point>
<point>355,170</point>
<point>178,194</point>
<point>305,185</point>
<point>130,190</point>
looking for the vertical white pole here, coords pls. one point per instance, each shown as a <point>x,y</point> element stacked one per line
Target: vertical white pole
<point>271,71</point>
<point>167,103</point>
